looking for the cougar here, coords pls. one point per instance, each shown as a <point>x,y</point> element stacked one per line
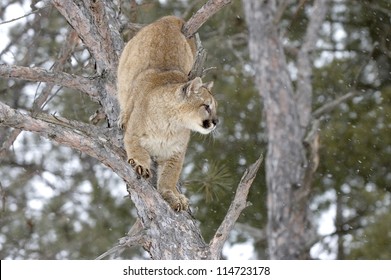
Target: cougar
<point>160,106</point>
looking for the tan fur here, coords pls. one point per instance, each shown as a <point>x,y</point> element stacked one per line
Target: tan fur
<point>159,106</point>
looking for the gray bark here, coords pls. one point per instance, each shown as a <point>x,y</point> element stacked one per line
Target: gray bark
<point>289,163</point>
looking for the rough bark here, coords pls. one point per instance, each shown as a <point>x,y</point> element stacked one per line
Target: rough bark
<point>164,233</point>
<point>37,74</point>
<point>91,22</point>
<point>289,165</point>
<point>202,15</point>
<point>236,207</point>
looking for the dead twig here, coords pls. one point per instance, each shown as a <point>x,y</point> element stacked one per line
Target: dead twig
<point>236,207</point>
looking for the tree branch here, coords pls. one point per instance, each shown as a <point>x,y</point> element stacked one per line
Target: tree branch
<point>202,15</point>
<point>160,222</point>
<point>162,227</point>
<point>37,74</point>
<point>37,10</point>
<point>135,237</point>
<point>236,207</point>
<point>77,135</point>
<point>198,67</point>
<point>256,234</point>
<point>65,53</point>
<point>326,108</point>
<point>39,102</point>
<point>304,63</point>
<point>81,137</point>
<point>91,24</point>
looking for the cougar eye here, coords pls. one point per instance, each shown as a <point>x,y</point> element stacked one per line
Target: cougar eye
<point>207,108</point>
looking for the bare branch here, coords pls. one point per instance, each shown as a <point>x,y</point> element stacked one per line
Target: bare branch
<point>135,237</point>
<point>281,7</point>
<point>161,226</point>
<point>236,207</point>
<point>331,105</point>
<point>304,62</point>
<point>91,22</point>
<point>202,15</point>
<point>65,53</point>
<point>37,74</point>
<point>73,134</point>
<point>256,234</point>
<point>138,235</point>
<point>304,99</point>
<point>198,67</point>
<point>159,220</point>
<point>26,15</point>
<point>190,7</point>
<point>97,39</point>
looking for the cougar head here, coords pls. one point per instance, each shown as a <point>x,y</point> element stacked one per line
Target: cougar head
<point>199,106</point>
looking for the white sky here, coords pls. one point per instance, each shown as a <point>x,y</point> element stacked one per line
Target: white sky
<point>12,11</point>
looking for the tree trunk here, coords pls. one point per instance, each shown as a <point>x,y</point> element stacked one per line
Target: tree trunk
<point>290,160</point>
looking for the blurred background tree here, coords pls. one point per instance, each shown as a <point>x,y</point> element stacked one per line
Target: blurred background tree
<point>56,202</point>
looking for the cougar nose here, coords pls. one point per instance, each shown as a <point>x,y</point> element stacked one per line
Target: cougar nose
<point>215,121</point>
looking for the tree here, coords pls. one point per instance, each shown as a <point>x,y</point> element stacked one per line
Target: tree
<point>292,141</point>
<point>55,198</point>
<point>361,191</point>
<point>293,129</point>
<point>163,233</point>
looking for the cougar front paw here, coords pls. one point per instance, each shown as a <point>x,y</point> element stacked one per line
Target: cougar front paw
<point>178,202</point>
<point>140,169</point>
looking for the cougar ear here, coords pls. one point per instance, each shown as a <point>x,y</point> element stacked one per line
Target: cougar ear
<point>209,85</point>
<point>192,86</point>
